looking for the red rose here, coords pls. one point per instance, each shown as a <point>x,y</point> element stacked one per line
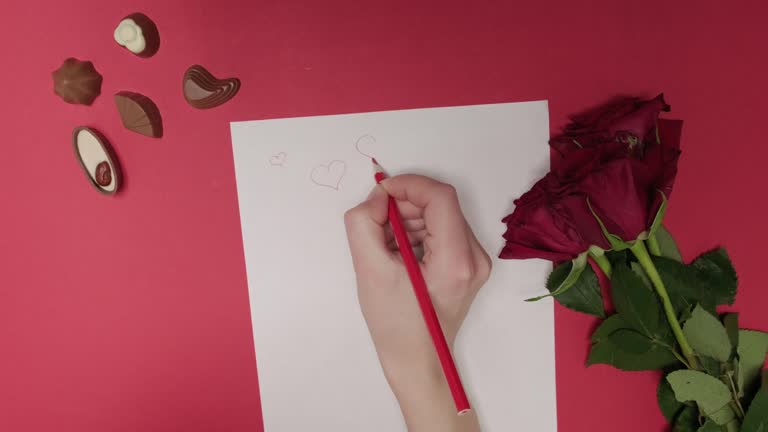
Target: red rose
<point>618,179</point>
<point>614,133</point>
<point>551,221</point>
<point>628,120</point>
<point>658,166</point>
<point>623,189</point>
<point>621,202</point>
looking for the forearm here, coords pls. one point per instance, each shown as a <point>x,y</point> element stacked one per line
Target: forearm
<point>426,402</point>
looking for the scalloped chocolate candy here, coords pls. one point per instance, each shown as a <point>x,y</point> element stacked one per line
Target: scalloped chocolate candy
<point>202,90</point>
<point>138,34</point>
<point>77,82</point>
<point>139,114</point>
<point>96,159</point>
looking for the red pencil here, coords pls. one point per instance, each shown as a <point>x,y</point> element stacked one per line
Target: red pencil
<point>425,303</point>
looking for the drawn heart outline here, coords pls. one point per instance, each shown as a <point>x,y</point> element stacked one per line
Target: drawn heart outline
<point>365,145</point>
<point>329,175</point>
<point>278,159</point>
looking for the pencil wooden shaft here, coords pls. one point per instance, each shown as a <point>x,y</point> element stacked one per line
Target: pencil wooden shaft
<point>427,309</point>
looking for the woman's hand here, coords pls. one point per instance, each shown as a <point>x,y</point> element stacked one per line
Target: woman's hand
<point>454,266</point>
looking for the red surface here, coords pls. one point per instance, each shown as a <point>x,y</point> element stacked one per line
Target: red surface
<point>131,313</point>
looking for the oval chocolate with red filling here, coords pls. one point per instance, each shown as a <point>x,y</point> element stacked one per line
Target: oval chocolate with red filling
<point>96,159</point>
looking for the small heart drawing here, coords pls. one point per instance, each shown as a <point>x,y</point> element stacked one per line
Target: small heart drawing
<point>329,175</point>
<point>366,145</point>
<point>278,159</point>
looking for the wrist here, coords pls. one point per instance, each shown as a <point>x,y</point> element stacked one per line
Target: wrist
<point>425,399</point>
<point>412,379</point>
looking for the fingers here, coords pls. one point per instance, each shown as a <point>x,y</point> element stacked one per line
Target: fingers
<point>411,225</point>
<point>415,238</point>
<point>365,226</point>
<point>432,218</point>
<point>448,237</point>
<point>409,211</point>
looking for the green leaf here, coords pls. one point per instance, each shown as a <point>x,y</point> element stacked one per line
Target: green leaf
<point>656,224</point>
<point>733,426</point>
<point>630,341</point>
<point>709,426</point>
<point>636,304</point>
<point>583,296</point>
<point>685,315</point>
<point>708,281</point>
<point>716,276</point>
<point>680,282</point>
<point>604,351</point>
<point>710,366</point>
<point>756,419</point>
<point>638,270</point>
<point>707,336</point>
<point>687,420</point>
<point>575,268</point>
<point>753,346</point>
<point>668,245</point>
<point>617,258</point>
<point>723,416</point>
<point>709,393</point>
<point>669,406</point>
<point>608,326</point>
<point>731,323</point>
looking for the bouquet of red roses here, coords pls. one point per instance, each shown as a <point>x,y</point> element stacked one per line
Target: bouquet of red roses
<point>604,203</point>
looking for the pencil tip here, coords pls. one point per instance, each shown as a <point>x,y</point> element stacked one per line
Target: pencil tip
<point>376,167</point>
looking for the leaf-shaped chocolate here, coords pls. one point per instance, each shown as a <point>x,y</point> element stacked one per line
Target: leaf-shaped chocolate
<point>139,114</point>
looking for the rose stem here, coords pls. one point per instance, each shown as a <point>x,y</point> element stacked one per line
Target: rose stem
<point>603,263</point>
<point>645,262</point>
<point>653,245</point>
<point>737,404</point>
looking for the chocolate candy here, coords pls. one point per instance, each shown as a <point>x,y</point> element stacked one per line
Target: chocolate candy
<point>96,159</point>
<point>138,34</point>
<point>139,114</point>
<point>202,90</point>
<point>77,82</point>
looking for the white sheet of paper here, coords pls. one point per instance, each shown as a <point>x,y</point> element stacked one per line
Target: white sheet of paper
<point>317,367</point>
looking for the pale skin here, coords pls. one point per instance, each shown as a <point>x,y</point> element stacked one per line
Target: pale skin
<point>455,267</point>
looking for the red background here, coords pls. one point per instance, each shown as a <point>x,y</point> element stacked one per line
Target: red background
<point>131,312</point>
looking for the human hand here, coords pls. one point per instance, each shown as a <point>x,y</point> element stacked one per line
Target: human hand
<point>454,266</point>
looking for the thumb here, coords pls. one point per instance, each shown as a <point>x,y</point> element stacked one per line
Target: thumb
<point>365,230</point>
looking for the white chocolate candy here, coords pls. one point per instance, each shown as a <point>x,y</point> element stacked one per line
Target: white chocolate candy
<point>94,155</point>
<point>130,35</point>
